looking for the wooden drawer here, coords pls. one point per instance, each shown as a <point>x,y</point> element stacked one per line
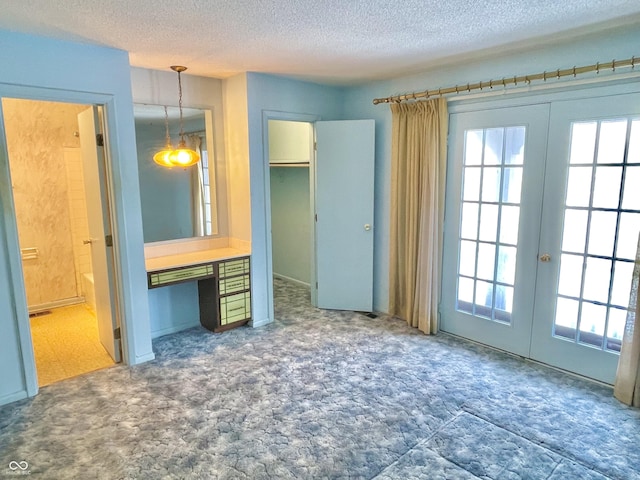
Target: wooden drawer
<point>179,275</point>
<point>234,308</point>
<point>231,268</point>
<point>234,284</point>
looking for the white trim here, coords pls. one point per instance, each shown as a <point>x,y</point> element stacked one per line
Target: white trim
<point>122,250</point>
<point>144,358</point>
<point>260,323</point>
<point>173,329</point>
<point>292,280</point>
<point>65,302</point>
<point>558,91</point>
<point>552,85</point>
<point>14,397</point>
<point>16,281</point>
<point>294,117</point>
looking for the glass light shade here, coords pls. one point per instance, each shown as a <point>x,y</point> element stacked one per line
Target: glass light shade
<point>183,156</point>
<point>162,157</point>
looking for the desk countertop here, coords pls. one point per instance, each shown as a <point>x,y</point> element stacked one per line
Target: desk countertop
<point>193,258</point>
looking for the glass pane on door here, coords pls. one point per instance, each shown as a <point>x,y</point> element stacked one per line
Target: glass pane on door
<point>600,232</point>
<point>490,214</point>
<point>495,179</point>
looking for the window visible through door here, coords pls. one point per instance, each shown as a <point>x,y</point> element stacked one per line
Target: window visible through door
<point>600,233</point>
<point>541,229</point>
<point>492,181</point>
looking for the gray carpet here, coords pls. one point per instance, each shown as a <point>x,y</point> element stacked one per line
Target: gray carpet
<point>322,394</point>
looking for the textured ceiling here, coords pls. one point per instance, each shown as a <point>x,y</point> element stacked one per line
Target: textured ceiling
<point>336,41</point>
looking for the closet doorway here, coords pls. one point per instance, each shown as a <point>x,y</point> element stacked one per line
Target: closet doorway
<point>58,189</point>
<point>338,223</point>
<point>292,201</point>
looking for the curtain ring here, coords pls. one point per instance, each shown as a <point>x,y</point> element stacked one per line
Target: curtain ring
<point>597,68</point>
<point>613,65</point>
<point>457,89</point>
<point>503,84</point>
<point>574,71</point>
<point>468,88</point>
<point>544,75</point>
<point>440,91</point>
<point>527,79</point>
<point>558,74</point>
<point>633,63</point>
<point>490,83</point>
<point>480,84</point>
<point>515,81</point>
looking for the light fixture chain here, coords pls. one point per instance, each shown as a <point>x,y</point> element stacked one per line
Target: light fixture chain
<point>166,125</point>
<point>180,105</point>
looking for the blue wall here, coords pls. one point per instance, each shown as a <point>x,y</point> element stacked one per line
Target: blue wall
<point>291,222</point>
<point>175,307</point>
<point>620,43</point>
<point>44,69</point>
<point>268,93</point>
<point>40,68</point>
<point>165,193</point>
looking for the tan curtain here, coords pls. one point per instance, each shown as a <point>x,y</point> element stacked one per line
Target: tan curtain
<point>418,156</point>
<point>197,189</point>
<point>627,386</point>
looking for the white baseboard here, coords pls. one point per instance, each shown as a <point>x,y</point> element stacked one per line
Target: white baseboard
<point>292,280</point>
<point>174,329</point>
<point>58,303</point>
<point>13,397</point>
<point>261,323</point>
<point>145,358</point>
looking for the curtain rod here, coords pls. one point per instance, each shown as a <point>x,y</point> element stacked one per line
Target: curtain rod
<point>612,65</point>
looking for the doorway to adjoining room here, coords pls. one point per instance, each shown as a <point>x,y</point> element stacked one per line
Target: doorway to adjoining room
<point>49,186</point>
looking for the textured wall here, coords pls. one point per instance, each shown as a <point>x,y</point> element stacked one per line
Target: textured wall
<point>36,133</point>
<point>78,213</point>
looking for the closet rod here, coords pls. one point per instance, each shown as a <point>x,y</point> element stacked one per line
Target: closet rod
<point>544,76</point>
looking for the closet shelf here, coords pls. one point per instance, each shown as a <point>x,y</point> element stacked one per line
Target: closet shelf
<point>289,165</point>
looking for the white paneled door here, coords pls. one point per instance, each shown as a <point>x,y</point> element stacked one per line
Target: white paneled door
<point>541,232</point>
<point>344,214</point>
<point>493,206</point>
<point>93,162</point>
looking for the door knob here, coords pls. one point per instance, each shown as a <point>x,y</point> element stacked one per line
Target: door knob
<point>87,242</point>
<point>545,257</point>
<point>367,227</point>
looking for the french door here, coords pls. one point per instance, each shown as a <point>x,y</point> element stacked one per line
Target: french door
<point>541,228</point>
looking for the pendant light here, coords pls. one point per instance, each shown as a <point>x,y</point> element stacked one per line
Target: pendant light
<point>180,156</point>
<point>162,157</point>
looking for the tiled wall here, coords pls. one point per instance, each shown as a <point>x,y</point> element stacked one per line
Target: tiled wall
<point>37,134</point>
<point>78,213</point>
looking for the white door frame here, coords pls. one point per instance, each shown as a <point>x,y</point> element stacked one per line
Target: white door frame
<point>560,93</point>
<point>107,104</point>
<point>292,117</point>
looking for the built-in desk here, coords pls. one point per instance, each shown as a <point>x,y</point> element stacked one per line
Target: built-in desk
<point>224,283</point>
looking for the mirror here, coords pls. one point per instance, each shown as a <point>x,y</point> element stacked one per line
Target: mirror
<point>176,203</point>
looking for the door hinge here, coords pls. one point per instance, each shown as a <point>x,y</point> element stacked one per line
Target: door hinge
<point>316,285</point>
<point>100,139</point>
<point>108,240</point>
<point>315,145</point>
<point>316,217</point>
<point>116,334</point>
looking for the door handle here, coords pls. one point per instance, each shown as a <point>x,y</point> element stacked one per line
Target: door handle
<point>89,241</point>
<point>367,227</point>
<point>545,257</point>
